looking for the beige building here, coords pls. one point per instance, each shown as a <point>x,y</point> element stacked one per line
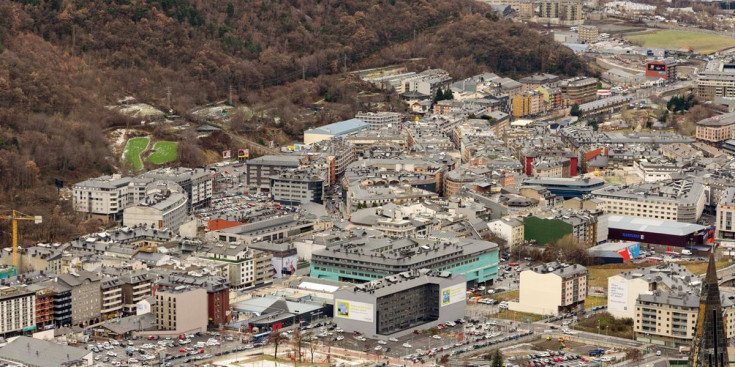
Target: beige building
<point>717,129</point>
<point>725,213</point>
<point>680,200</point>
<point>182,309</point>
<point>246,267</point>
<point>509,229</point>
<point>86,300</point>
<point>111,297</point>
<point>623,289</point>
<point>588,34</point>
<point>551,289</point>
<point>135,287</point>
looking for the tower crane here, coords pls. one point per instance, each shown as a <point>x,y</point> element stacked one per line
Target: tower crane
<point>14,217</point>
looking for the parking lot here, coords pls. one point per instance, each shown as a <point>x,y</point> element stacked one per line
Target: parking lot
<point>145,351</point>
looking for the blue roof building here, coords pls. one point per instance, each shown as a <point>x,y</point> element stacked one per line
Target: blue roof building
<point>341,128</point>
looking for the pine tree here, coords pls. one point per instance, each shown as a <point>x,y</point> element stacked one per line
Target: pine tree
<point>439,95</point>
<point>497,359</point>
<point>575,110</point>
<point>230,9</point>
<point>448,94</point>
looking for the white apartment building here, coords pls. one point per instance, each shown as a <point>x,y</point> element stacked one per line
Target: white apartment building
<point>725,212</point>
<point>17,310</point>
<point>624,289</point>
<point>679,200</point>
<point>655,171</point>
<point>163,207</point>
<point>379,120</point>
<point>551,289</point>
<point>111,296</point>
<point>107,196</point>
<point>197,183</point>
<point>509,229</point>
<point>246,267</point>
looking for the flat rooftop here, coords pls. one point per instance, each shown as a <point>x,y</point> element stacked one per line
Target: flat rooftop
<point>662,226</point>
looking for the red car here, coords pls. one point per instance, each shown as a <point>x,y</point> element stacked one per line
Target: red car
<point>182,350</point>
<point>151,337</point>
<point>201,351</point>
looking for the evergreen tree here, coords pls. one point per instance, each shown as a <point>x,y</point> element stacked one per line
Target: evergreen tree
<point>497,359</point>
<point>439,95</point>
<point>230,9</point>
<point>575,110</point>
<point>448,94</point>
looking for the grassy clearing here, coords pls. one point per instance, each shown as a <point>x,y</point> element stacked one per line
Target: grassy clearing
<point>518,316</point>
<point>700,42</point>
<point>164,152</point>
<point>132,151</point>
<point>604,323</point>
<point>699,267</point>
<point>598,274</point>
<point>592,301</point>
<point>506,296</point>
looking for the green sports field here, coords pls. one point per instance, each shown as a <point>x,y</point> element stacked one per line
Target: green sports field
<point>132,151</point>
<point>163,152</point>
<point>675,39</point>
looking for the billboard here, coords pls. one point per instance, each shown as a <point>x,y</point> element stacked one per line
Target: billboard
<point>284,266</point>
<point>657,67</point>
<point>243,153</point>
<point>226,154</point>
<point>617,298</point>
<point>352,310</point>
<point>453,294</point>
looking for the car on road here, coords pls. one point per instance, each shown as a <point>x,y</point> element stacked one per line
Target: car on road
<point>394,340</point>
<point>658,352</point>
<point>406,345</point>
<point>378,348</point>
<point>382,342</point>
<point>436,337</point>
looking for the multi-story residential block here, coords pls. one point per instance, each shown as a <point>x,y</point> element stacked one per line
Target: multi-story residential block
<point>679,200</point>
<point>271,229</point>
<point>258,171</point>
<point>300,186</point>
<point>579,90</point>
<point>165,206</point>
<point>111,297</point>
<point>363,196</point>
<point>336,153</point>
<point>588,34</point>
<point>218,294</point>
<point>398,304</point>
<point>86,297</point>
<point>246,266</point>
<point>62,302</point>
<point>716,80</point>
<point>551,289</point>
<point>724,215</point>
<point>664,69</point>
<point>560,12</point>
<point>509,229</point>
<point>528,104</point>
<point>379,120</point>
<point>656,170</point>
<point>604,106</point>
<point>533,82</point>
<point>44,305</point>
<point>365,259</point>
<point>182,309</point>
<point>136,285</point>
<point>197,183</point>
<point>17,310</point>
<point>716,130</point>
<point>624,289</point>
<point>106,197</point>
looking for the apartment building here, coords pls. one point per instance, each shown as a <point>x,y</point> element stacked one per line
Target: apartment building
<point>161,208</point>
<point>197,183</point>
<point>17,310</point>
<point>528,104</point>
<point>665,69</point>
<point>624,289</point>
<point>44,305</point>
<point>656,170</point>
<point>299,186</point>
<point>588,34</point>
<point>716,80</point>
<point>579,90</point>
<point>678,200</point>
<point>398,304</point>
<point>365,259</point>
<point>551,289</point>
<point>670,318</point>
<point>247,267</point>
<point>182,309</point>
<point>258,171</point>
<point>717,129</point>
<point>62,303</point>
<point>218,294</point>
<point>364,196</point>
<point>86,300</point>
<point>271,229</point>
<point>724,215</point>
<point>111,297</point>
<point>509,229</point>
<point>379,120</point>
<point>105,197</point>
<point>560,12</point>
<point>136,285</point>
<point>533,82</point>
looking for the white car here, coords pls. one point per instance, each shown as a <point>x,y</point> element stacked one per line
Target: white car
<point>436,337</point>
<point>394,340</point>
<point>378,348</point>
<point>112,354</point>
<point>450,323</point>
<point>340,338</point>
<point>382,342</point>
<point>406,345</point>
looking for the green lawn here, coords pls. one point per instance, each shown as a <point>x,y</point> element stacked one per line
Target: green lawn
<point>700,42</point>
<point>163,152</point>
<point>132,151</point>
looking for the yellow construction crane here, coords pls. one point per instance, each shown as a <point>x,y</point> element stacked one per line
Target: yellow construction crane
<point>14,217</point>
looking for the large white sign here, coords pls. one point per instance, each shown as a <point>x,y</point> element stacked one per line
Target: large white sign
<point>617,296</point>
<point>453,294</point>
<point>353,310</point>
<point>284,266</point>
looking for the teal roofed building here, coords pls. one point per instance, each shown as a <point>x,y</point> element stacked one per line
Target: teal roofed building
<point>342,128</point>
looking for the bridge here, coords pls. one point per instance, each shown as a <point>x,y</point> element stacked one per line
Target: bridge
<point>726,276</point>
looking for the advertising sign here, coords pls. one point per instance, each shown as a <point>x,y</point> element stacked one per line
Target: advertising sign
<point>353,310</point>
<point>243,153</point>
<point>657,67</point>
<point>617,296</point>
<point>284,266</point>
<point>453,294</point>
<point>226,154</point>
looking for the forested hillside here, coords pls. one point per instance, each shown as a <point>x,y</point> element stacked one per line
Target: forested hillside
<point>62,61</point>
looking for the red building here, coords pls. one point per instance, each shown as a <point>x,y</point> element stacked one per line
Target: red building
<point>665,69</point>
